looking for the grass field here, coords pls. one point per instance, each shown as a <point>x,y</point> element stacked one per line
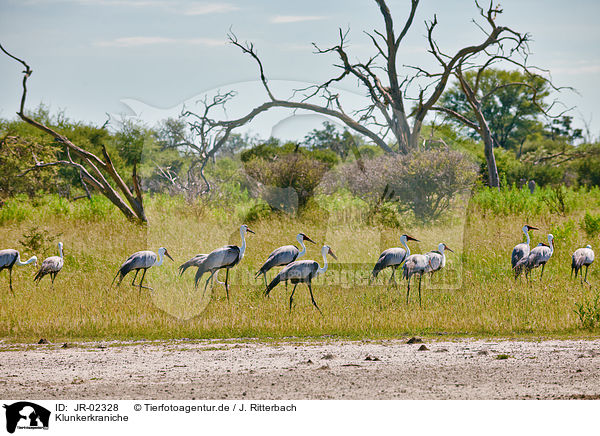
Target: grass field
<point>475,295</point>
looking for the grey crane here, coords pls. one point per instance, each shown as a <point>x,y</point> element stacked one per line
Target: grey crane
<point>283,256</point>
<point>582,257</point>
<point>225,257</point>
<point>302,271</point>
<point>437,258</point>
<point>51,266</point>
<point>141,260</point>
<point>10,258</point>
<point>393,258</point>
<point>415,264</point>
<point>521,250</point>
<point>537,257</point>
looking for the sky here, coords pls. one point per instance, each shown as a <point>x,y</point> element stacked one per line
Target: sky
<point>148,57</point>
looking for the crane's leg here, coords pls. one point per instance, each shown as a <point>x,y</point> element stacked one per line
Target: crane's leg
<point>265,277</point>
<point>542,273</point>
<point>134,277</point>
<point>393,276</point>
<point>226,281</point>
<point>292,295</point>
<point>142,280</point>
<point>313,298</point>
<point>207,280</point>
<point>408,289</point>
<point>10,280</point>
<point>420,280</point>
<point>586,270</point>
<point>52,277</point>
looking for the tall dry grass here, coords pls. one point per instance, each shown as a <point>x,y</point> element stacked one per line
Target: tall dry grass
<point>475,295</point>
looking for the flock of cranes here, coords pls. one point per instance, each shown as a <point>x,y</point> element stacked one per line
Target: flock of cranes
<point>523,259</point>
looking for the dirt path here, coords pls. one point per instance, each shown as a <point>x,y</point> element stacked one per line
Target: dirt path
<point>465,369</point>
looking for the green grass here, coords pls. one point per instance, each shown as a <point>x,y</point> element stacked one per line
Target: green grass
<point>474,296</point>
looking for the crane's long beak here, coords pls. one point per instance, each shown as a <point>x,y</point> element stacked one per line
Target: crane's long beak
<point>306,238</point>
<point>168,255</point>
<point>248,230</point>
<point>532,228</point>
<point>410,238</point>
<point>448,248</point>
<point>332,254</point>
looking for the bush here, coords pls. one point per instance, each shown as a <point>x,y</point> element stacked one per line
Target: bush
<point>424,182</point>
<point>591,224</point>
<point>589,312</point>
<point>289,181</point>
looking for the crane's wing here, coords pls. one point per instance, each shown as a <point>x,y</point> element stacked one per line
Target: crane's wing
<point>280,256</point>
<point>519,252</point>
<point>390,257</point>
<point>50,265</point>
<point>196,261</point>
<point>8,257</point>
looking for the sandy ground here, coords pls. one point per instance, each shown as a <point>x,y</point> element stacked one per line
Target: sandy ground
<point>185,369</point>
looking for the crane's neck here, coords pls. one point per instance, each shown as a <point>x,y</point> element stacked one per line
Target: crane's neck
<point>161,257</point>
<point>442,250</point>
<point>403,242</point>
<point>551,244</point>
<point>526,235</point>
<point>60,251</point>
<point>31,260</point>
<point>322,270</point>
<point>243,247</point>
<point>303,251</point>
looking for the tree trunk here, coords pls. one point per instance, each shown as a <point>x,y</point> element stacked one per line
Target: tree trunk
<point>488,149</point>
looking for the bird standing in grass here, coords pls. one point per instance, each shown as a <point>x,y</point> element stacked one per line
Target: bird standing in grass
<point>437,258</point>
<point>582,257</point>
<point>225,257</point>
<point>521,250</point>
<point>283,256</point>
<point>10,258</point>
<point>302,271</point>
<point>51,265</point>
<point>415,264</point>
<point>393,258</point>
<point>141,260</point>
<point>539,256</point>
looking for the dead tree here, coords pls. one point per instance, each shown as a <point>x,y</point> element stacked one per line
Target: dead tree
<point>95,171</point>
<point>389,90</point>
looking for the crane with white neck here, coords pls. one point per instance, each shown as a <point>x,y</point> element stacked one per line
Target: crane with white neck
<point>522,250</point>
<point>51,266</point>
<point>141,260</point>
<point>539,256</point>
<point>582,257</point>
<point>283,256</point>
<point>302,271</point>
<point>222,258</point>
<point>393,258</point>
<point>437,258</point>
<point>9,258</point>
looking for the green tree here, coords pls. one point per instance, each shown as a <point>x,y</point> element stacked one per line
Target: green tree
<point>511,102</point>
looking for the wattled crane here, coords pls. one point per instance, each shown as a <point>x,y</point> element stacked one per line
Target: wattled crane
<point>10,258</point>
<point>302,271</point>
<point>539,256</point>
<point>225,257</point>
<point>415,264</point>
<point>283,256</point>
<point>393,257</point>
<point>521,250</point>
<point>51,265</point>
<point>582,257</point>
<point>141,260</point>
<point>437,258</point>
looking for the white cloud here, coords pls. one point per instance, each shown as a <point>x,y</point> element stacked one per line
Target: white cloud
<point>139,41</point>
<point>284,19</point>
<point>209,8</point>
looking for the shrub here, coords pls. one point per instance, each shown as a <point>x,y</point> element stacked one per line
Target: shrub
<point>289,181</point>
<point>589,312</point>
<point>591,224</point>
<point>424,182</point>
